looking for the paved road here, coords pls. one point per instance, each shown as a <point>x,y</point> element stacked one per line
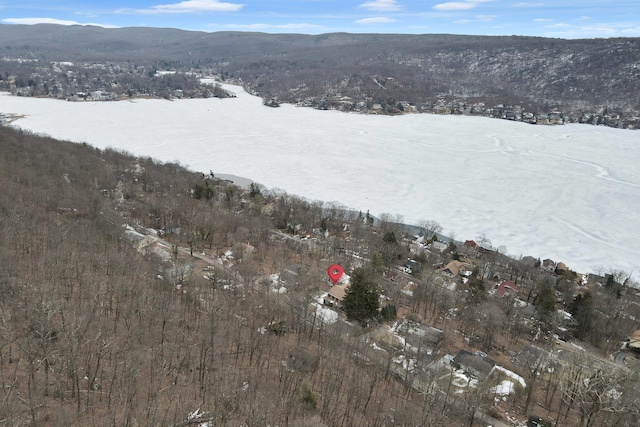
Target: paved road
<point>620,357</point>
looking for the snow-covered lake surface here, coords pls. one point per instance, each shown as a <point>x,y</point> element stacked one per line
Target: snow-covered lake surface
<point>570,193</point>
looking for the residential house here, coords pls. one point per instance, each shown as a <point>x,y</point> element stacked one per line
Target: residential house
<point>532,356</point>
<point>418,239</point>
<point>555,118</point>
<point>469,248</point>
<point>528,117</point>
<point>548,265</point>
<point>454,268</point>
<point>485,249</point>
<point>529,261</point>
<point>634,341</point>
<point>451,270</point>
<point>470,244</point>
<point>171,229</point>
<point>425,339</point>
<point>478,364</point>
<point>411,266</point>
<point>438,246</point>
<point>597,279</point>
<point>335,296</point>
<point>507,288</point>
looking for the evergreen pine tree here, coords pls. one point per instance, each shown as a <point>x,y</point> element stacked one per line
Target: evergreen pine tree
<point>361,301</point>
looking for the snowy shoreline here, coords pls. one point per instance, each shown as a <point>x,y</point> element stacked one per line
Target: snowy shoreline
<point>568,193</point>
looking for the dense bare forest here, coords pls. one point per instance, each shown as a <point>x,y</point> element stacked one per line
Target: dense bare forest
<point>139,293</point>
<point>95,333</point>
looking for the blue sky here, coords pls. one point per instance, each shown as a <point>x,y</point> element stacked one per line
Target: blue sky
<point>548,18</point>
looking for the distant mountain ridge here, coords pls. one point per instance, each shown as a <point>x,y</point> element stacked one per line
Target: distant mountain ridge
<point>580,79</point>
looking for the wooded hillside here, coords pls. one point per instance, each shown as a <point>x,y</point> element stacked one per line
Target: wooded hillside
<point>579,78</point>
<point>93,332</point>
<point>139,293</point>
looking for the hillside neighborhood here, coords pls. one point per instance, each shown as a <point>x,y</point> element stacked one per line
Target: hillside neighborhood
<point>478,352</point>
<point>114,81</point>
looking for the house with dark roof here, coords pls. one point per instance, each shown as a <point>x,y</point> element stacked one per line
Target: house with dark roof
<point>477,365</point>
<point>420,337</point>
<point>411,266</point>
<point>291,275</point>
<point>529,261</point>
<point>597,279</point>
<point>531,356</point>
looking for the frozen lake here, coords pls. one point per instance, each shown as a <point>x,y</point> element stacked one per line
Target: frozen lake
<point>569,193</point>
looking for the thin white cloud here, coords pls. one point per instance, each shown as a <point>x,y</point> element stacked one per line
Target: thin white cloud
<point>543,20</point>
<point>454,5</point>
<point>459,5</point>
<point>189,6</point>
<point>34,21</point>
<point>381,5</point>
<point>377,20</point>
<point>528,5</point>
<point>86,14</point>
<point>486,18</point>
<point>478,18</point>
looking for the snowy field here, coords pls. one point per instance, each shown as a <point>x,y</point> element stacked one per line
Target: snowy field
<point>570,193</point>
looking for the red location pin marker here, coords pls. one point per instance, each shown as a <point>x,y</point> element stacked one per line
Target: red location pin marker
<point>334,272</point>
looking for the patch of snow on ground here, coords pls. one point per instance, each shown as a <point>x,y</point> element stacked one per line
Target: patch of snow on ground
<point>377,347</point>
<point>512,375</point>
<point>321,297</point>
<point>507,386</point>
<point>344,279</point>
<point>451,286</point>
<point>577,346</point>
<point>195,416</point>
<point>462,380</point>
<point>407,364</point>
<point>565,315</point>
<point>276,286</point>
<point>324,314</point>
<point>327,315</point>
<point>559,192</point>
